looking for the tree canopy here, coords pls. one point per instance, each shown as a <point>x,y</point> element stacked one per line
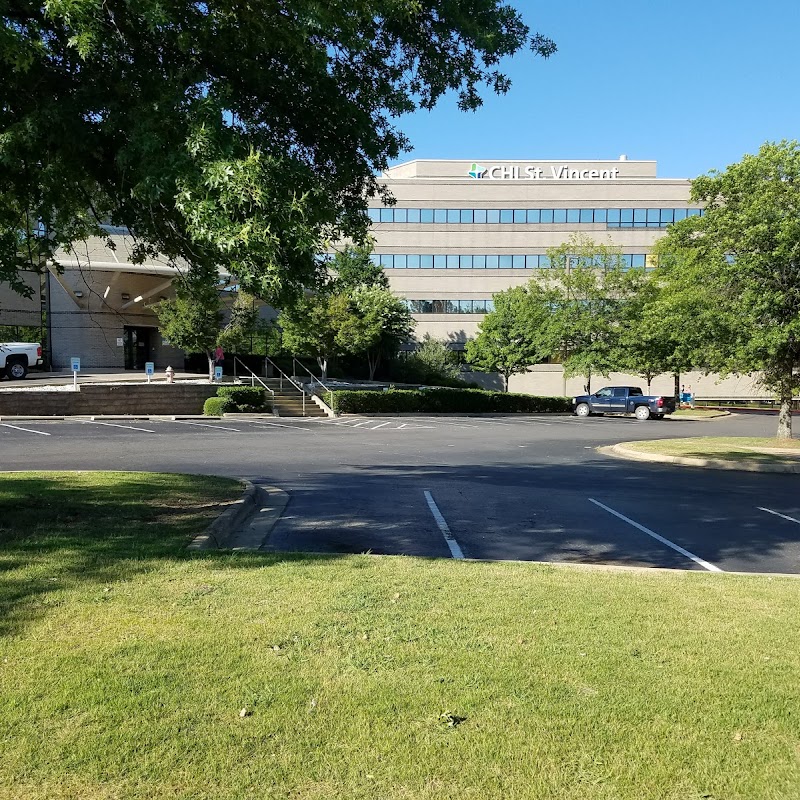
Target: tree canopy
<point>244,135</point>
<point>734,273</point>
<point>516,334</point>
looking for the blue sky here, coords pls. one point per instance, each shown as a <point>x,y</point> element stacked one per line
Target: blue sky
<point>691,85</point>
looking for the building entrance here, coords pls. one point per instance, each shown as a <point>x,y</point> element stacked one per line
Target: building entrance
<point>138,350</point>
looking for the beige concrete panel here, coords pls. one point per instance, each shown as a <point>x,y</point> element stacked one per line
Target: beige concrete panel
<point>506,239</point>
<point>18,310</point>
<point>455,284</point>
<point>444,168</point>
<point>548,380</point>
<point>447,327</point>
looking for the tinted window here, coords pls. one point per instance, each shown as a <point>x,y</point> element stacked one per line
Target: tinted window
<point>533,215</point>
<point>413,215</point>
<point>412,262</point>
<point>401,215</point>
<point>493,215</point>
<point>480,215</point>
<point>547,215</point>
<point>506,215</point>
<point>387,214</point>
<point>453,215</point>
<point>426,262</point>
<point>426,215</point>
<point>439,215</point>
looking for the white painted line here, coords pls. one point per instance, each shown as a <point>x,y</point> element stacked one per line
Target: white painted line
<point>114,425</point>
<point>455,550</point>
<point>667,542</point>
<point>382,425</point>
<point>777,514</point>
<point>206,425</point>
<point>359,424</point>
<point>278,425</point>
<point>27,430</point>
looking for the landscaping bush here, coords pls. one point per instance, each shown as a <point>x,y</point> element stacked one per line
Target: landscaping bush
<point>253,397</point>
<point>443,401</point>
<point>217,406</point>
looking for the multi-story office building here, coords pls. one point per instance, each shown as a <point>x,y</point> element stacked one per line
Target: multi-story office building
<point>461,231</point>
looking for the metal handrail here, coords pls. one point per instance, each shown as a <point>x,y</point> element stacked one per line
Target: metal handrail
<point>283,375</point>
<point>253,376</point>
<point>314,378</point>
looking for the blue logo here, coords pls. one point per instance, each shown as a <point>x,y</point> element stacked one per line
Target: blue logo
<point>477,171</point>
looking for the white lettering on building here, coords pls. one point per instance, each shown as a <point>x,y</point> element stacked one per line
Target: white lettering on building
<point>499,172</point>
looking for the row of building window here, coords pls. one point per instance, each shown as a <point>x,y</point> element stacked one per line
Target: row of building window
<point>611,217</point>
<point>450,306</point>
<point>409,261</point>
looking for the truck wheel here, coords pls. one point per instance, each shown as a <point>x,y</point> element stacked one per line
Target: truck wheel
<point>16,370</point>
<point>583,410</point>
<point>642,413</point>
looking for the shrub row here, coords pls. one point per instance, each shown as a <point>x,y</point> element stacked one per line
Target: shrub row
<point>232,399</point>
<point>443,401</point>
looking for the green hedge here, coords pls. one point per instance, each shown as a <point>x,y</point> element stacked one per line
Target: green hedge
<point>244,396</point>
<point>217,406</point>
<point>444,401</point>
<point>232,399</point>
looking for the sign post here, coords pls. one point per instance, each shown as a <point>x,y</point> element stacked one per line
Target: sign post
<point>217,373</point>
<point>75,363</point>
<point>149,369</point>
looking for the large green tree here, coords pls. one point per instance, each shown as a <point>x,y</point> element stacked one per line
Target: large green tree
<point>516,334</point>
<point>588,285</point>
<point>735,271</point>
<point>243,135</point>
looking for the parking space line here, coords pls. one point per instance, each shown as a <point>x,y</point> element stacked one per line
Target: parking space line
<point>278,425</point>
<point>27,430</point>
<point>697,560</point>
<point>455,549</point>
<point>382,425</point>
<point>778,514</point>
<point>205,425</point>
<point>114,425</point>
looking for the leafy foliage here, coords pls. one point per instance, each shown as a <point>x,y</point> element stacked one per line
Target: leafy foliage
<point>589,286</point>
<point>734,273</point>
<point>241,135</point>
<point>217,406</point>
<point>516,334</point>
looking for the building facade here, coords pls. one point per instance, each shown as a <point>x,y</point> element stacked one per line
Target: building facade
<point>461,231</point>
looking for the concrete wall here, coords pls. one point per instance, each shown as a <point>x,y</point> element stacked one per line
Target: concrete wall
<point>179,398</point>
<point>548,380</point>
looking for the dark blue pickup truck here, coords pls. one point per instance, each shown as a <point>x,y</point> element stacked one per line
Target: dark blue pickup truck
<point>623,400</point>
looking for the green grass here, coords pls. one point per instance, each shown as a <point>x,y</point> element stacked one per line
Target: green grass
<point>728,448</point>
<point>697,412</point>
<point>125,663</point>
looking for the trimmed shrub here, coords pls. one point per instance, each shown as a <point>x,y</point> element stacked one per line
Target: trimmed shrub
<point>217,406</point>
<point>444,401</point>
<point>244,397</point>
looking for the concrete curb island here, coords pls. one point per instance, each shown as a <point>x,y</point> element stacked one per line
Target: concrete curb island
<point>624,451</point>
<point>230,530</point>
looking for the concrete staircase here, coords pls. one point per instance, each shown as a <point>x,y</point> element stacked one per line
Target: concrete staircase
<point>288,401</point>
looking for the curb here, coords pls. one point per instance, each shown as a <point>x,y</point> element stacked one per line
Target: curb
<point>228,531</point>
<point>621,451</point>
<point>217,534</point>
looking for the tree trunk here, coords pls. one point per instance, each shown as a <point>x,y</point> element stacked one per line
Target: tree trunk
<point>506,376</point>
<point>373,359</point>
<point>677,388</point>
<point>649,381</point>
<point>323,367</point>
<point>785,414</point>
<point>210,358</point>
<point>589,382</point>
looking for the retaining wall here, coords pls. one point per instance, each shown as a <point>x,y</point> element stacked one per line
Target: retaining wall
<point>179,398</point>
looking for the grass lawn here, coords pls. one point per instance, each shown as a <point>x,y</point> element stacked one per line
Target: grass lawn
<point>697,412</point>
<point>132,669</point>
<point>730,448</point>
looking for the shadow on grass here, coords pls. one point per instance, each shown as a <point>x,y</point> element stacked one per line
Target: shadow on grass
<point>59,531</point>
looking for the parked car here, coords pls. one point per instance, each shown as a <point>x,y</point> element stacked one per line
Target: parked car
<point>623,400</point>
<point>16,357</point>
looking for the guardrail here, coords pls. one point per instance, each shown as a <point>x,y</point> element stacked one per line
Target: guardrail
<point>281,375</point>
<point>315,379</point>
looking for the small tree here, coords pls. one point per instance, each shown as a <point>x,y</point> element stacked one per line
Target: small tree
<point>515,335</point>
<point>433,361</point>
<point>588,285</point>
<point>734,272</point>
<point>379,324</point>
<point>192,320</point>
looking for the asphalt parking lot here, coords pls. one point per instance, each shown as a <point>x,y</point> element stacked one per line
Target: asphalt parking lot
<point>521,487</point>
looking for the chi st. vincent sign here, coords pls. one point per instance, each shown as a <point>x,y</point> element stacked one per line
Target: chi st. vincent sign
<point>499,172</point>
